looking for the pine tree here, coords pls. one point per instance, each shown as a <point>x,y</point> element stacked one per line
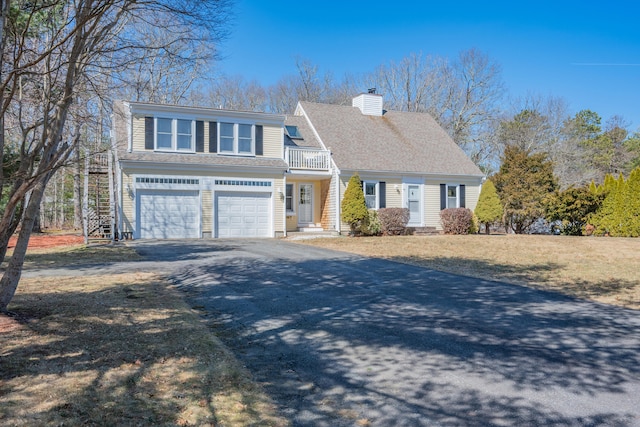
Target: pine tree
<point>523,182</point>
<point>489,208</point>
<point>354,207</point>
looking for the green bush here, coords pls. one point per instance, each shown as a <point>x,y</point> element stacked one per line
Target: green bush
<point>573,207</point>
<point>489,209</point>
<point>619,215</point>
<point>456,220</point>
<point>354,208</point>
<point>371,226</point>
<point>393,221</point>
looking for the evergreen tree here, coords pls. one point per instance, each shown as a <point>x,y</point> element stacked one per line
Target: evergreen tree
<point>354,207</point>
<point>523,183</point>
<point>489,208</point>
<point>632,204</point>
<point>573,207</point>
<point>609,220</point>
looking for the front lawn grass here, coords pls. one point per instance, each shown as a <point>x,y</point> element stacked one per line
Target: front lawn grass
<point>117,350</point>
<point>600,269</point>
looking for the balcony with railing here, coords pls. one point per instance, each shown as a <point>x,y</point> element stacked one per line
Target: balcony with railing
<point>308,159</point>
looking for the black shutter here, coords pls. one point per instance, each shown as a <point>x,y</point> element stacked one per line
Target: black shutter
<point>462,196</point>
<point>148,133</point>
<point>382,197</point>
<point>213,137</point>
<point>259,141</point>
<point>443,196</point>
<point>199,136</point>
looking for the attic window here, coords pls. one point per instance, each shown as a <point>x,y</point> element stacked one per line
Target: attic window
<point>293,132</point>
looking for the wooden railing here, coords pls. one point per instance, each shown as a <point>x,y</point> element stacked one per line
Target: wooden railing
<point>308,159</point>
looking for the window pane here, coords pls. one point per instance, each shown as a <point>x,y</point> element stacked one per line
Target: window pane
<point>452,191</point>
<point>226,129</point>
<point>164,125</point>
<point>163,140</point>
<point>184,142</point>
<point>184,126</point>
<point>226,143</point>
<point>369,189</point>
<point>244,139</point>
<point>244,145</point>
<point>184,135</point>
<point>163,133</point>
<point>244,131</point>
<point>289,197</point>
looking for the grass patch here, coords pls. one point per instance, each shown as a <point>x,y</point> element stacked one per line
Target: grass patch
<point>599,269</point>
<point>118,350</point>
<point>77,255</point>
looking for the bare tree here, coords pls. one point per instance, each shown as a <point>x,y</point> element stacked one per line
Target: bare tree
<point>51,51</point>
<point>462,95</point>
<point>234,93</point>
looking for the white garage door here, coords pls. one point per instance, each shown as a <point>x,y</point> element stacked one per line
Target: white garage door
<point>169,214</point>
<point>243,215</point>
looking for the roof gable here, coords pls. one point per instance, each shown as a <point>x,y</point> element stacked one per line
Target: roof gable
<point>394,142</point>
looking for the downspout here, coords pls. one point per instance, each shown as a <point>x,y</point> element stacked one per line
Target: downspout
<point>337,177</point>
<point>284,210</point>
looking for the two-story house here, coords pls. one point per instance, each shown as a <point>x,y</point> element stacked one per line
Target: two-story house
<point>187,172</point>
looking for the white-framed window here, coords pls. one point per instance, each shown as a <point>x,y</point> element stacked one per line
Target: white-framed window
<point>174,134</point>
<point>453,201</point>
<point>237,138</point>
<point>289,199</point>
<point>370,189</point>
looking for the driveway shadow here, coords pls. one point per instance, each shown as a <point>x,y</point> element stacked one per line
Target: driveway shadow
<point>346,340</point>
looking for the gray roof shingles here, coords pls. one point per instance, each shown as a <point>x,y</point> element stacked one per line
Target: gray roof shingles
<point>393,142</point>
<point>202,159</point>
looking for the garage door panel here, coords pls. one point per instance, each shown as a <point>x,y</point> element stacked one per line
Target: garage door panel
<point>169,214</point>
<point>243,214</point>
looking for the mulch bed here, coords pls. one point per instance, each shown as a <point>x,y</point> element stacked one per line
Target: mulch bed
<point>50,240</point>
<point>10,322</point>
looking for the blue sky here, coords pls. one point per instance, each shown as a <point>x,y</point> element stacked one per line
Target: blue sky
<point>586,52</point>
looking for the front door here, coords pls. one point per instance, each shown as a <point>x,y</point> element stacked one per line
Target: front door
<point>305,204</point>
<point>413,203</point>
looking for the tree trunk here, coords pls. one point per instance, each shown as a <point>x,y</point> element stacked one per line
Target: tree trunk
<point>486,229</point>
<point>5,235</point>
<point>11,276</point>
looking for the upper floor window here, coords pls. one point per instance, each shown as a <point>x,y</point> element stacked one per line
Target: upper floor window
<point>174,134</point>
<point>237,138</point>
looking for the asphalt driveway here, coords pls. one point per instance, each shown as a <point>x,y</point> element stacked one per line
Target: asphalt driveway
<point>343,340</point>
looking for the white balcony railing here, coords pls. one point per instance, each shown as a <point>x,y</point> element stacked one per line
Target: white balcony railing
<point>308,159</point>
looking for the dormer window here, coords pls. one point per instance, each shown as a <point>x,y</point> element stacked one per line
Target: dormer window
<point>236,138</point>
<point>174,134</point>
<point>293,132</point>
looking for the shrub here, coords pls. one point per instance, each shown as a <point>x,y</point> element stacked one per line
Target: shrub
<point>354,208</point>
<point>489,208</point>
<point>393,221</point>
<point>474,228</point>
<point>371,226</point>
<point>456,220</point>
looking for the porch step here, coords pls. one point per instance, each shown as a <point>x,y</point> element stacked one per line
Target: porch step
<point>310,229</point>
<point>300,235</point>
<point>425,231</point>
